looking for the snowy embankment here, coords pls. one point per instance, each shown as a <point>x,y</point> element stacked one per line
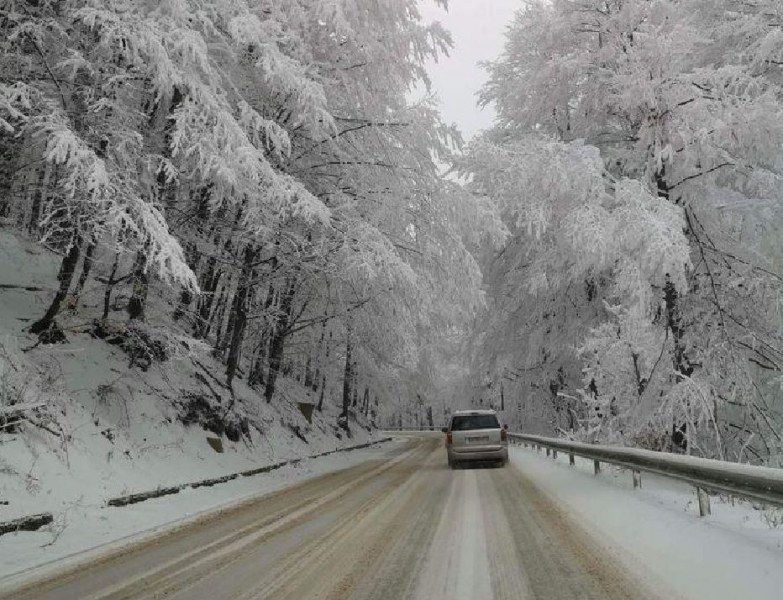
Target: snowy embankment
<point>737,552</point>
<point>81,422</point>
<point>87,531</point>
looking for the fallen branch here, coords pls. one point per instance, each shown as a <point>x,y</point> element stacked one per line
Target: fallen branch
<point>29,523</point>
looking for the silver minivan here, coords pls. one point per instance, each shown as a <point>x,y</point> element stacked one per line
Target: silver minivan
<point>476,435</point>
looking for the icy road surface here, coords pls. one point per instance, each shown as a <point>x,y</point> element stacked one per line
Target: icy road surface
<point>401,527</point>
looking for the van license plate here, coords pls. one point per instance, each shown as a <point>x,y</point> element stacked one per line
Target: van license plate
<point>476,440</point>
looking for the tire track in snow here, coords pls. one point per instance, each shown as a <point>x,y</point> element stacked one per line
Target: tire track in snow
<point>559,559</point>
<point>174,550</point>
<point>506,571</point>
<point>457,566</point>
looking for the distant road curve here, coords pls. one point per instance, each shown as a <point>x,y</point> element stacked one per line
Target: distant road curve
<point>402,527</point>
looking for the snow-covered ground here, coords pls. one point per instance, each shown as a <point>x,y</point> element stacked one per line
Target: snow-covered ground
<point>655,531</point>
<point>82,531</point>
<point>98,427</point>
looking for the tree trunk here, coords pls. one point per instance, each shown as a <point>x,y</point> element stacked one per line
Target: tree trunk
<point>9,166</point>
<point>320,358</point>
<point>49,174</point>
<point>674,321</point>
<point>347,376</point>
<point>140,283</point>
<point>257,372</point>
<point>65,277</point>
<point>222,335</point>
<point>186,295</point>
<point>366,401</point>
<point>239,310</point>
<point>208,286</point>
<point>277,344</point>
<point>110,283</point>
<point>327,348</point>
<point>185,298</point>
<point>308,372</point>
<point>86,268</point>
<point>208,314</point>
<point>320,406</point>
<point>660,183</point>
<point>216,318</point>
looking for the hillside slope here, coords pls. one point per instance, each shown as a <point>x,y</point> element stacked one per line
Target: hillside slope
<point>92,418</point>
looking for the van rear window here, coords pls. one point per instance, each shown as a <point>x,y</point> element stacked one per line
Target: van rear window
<point>467,422</point>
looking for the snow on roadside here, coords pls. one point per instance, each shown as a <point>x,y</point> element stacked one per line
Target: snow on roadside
<point>97,426</point>
<point>86,530</point>
<point>457,563</point>
<point>657,533</point>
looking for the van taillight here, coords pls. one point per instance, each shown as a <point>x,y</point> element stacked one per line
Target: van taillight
<point>503,435</point>
<point>448,439</point>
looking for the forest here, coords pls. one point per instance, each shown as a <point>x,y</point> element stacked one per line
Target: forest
<point>265,177</point>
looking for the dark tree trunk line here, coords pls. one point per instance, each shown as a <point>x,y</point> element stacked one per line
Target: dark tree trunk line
<point>308,372</point>
<point>211,308</point>
<point>242,298</point>
<point>186,295</point>
<point>227,320</point>
<point>347,375</point>
<point>674,323</point>
<point>42,190</point>
<point>327,348</point>
<point>320,406</point>
<point>65,277</point>
<point>257,373</point>
<point>208,284</point>
<point>110,283</point>
<point>160,128</point>
<point>277,342</point>
<point>217,317</point>
<point>366,401</point>
<point>140,287</point>
<point>85,274</point>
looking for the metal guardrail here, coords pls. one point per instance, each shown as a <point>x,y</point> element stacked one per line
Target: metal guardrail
<point>763,484</point>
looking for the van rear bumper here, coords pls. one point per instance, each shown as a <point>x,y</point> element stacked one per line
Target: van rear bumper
<point>478,453</point>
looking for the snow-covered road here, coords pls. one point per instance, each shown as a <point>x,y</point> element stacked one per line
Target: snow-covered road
<point>404,526</point>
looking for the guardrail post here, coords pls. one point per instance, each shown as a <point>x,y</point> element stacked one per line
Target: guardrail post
<point>637,479</point>
<point>554,454</point>
<point>571,460</point>
<point>704,502</point>
<point>538,448</point>
<point>596,467</point>
<point>547,451</point>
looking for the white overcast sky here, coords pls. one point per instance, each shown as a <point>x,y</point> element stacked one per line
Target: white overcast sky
<point>477,28</point>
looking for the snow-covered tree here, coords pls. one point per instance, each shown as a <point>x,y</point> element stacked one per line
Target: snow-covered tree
<point>679,104</point>
<point>261,160</point>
